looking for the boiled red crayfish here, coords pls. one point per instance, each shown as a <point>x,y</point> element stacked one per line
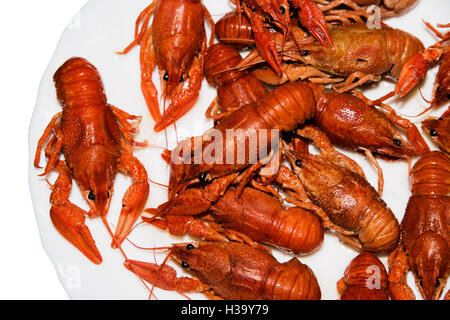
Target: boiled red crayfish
<point>350,121</point>
<point>255,217</point>
<point>96,140</point>
<point>280,110</point>
<point>337,185</point>
<point>358,55</point>
<point>176,43</point>
<point>232,271</point>
<point>424,245</point>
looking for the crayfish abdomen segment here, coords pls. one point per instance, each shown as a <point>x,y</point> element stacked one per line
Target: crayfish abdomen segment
<point>261,217</point>
<point>431,175</point>
<point>292,280</point>
<point>365,279</point>
<point>288,106</point>
<point>78,82</point>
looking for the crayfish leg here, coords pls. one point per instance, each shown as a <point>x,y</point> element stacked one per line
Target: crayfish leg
<point>182,225</point>
<point>47,133</point>
<point>375,163</point>
<point>350,82</point>
<point>398,269</point>
<point>144,19</point>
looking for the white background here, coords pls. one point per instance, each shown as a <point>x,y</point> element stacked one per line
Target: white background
<point>30,31</point>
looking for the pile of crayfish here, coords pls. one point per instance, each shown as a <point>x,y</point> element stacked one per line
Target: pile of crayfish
<point>269,174</point>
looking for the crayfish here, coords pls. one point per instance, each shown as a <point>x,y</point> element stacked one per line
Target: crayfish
<point>424,245</point>
<point>359,55</point>
<point>176,43</point>
<point>232,271</point>
<point>351,122</point>
<point>97,141</point>
<point>280,110</point>
<point>255,217</point>
<point>338,186</point>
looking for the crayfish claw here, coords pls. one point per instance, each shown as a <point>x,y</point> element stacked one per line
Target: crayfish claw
<point>312,18</point>
<point>69,220</point>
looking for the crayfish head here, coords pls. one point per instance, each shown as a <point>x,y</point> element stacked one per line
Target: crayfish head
<point>392,144</point>
<point>95,176</point>
<point>175,68</point>
<point>429,263</point>
<point>278,10</point>
<point>209,261</point>
<point>439,131</point>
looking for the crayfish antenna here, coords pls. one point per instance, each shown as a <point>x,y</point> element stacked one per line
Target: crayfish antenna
<point>382,99</point>
<point>144,19</point>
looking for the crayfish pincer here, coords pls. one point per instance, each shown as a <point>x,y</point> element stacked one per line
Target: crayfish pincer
<point>424,245</point>
<point>231,271</point>
<point>97,142</point>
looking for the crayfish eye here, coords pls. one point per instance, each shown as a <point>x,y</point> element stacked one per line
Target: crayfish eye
<point>298,163</point>
<point>181,79</point>
<point>433,133</point>
<point>190,246</point>
<point>109,195</point>
<point>166,77</point>
<point>185,265</point>
<point>304,52</point>
<point>397,142</point>
<point>202,176</point>
<point>282,10</point>
<point>437,283</point>
<point>420,283</point>
<point>91,196</point>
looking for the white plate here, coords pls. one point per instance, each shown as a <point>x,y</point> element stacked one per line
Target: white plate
<point>100,29</point>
